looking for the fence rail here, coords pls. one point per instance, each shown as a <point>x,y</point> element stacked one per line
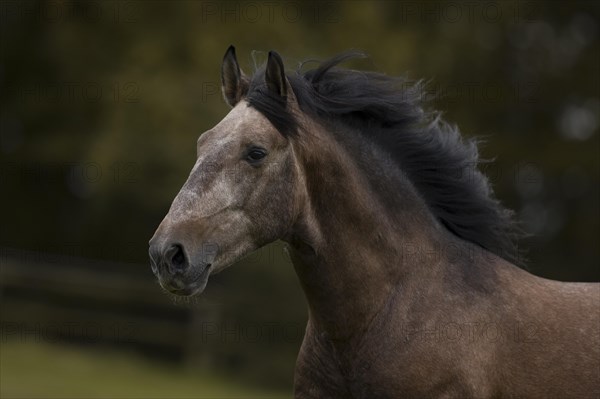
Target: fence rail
<point>50,297</point>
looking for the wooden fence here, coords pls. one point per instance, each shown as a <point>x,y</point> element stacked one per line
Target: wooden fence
<point>46,297</point>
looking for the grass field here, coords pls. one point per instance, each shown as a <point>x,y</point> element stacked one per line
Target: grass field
<point>58,371</point>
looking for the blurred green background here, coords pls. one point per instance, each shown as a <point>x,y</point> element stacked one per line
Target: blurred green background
<point>101,105</point>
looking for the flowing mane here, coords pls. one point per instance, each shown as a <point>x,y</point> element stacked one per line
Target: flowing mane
<point>389,110</point>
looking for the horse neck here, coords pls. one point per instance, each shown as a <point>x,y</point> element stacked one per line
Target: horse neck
<point>360,233</point>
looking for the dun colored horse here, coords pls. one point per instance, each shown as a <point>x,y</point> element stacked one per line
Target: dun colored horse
<point>404,254</point>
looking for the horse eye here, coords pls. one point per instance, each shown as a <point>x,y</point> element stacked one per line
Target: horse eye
<point>256,154</point>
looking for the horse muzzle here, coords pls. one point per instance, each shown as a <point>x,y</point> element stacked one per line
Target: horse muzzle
<point>180,270</point>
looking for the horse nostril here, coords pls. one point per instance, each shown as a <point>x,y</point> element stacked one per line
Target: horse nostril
<point>176,257</point>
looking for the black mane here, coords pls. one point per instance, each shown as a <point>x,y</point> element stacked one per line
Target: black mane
<point>438,161</point>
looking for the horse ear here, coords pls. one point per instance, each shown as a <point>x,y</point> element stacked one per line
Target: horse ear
<point>275,75</point>
<point>234,83</point>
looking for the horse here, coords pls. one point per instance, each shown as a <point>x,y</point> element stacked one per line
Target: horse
<point>408,261</point>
